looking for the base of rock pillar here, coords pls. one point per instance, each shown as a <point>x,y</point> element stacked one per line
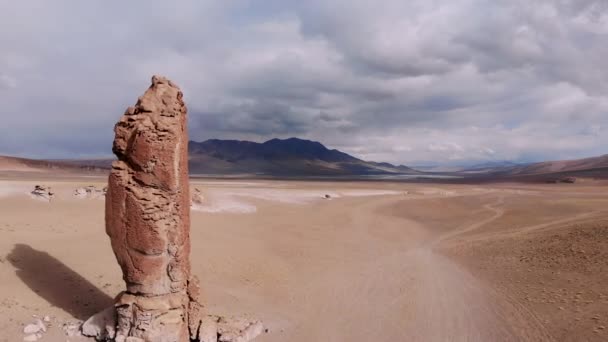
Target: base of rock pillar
<point>158,318</point>
<point>103,326</point>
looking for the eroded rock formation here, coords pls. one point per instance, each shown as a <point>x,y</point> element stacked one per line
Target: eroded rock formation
<point>148,219</point>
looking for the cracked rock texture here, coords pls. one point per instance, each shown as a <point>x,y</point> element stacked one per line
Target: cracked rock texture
<point>148,219</point>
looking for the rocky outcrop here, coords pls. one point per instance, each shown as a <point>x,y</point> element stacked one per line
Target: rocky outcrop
<point>43,193</point>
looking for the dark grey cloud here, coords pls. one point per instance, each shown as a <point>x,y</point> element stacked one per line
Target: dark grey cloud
<point>261,118</point>
<point>400,81</point>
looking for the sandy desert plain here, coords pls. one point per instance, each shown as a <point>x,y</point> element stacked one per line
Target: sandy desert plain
<point>378,261</point>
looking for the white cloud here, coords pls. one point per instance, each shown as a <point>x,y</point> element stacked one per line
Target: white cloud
<point>399,81</point>
<point>7,82</point>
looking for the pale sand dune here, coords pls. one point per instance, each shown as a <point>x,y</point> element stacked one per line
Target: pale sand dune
<point>372,264</point>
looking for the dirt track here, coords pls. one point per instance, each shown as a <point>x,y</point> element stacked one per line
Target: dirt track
<point>441,300</point>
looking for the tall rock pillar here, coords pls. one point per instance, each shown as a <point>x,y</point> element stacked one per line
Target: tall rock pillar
<point>148,219</point>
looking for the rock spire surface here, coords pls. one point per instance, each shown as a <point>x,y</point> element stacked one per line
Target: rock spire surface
<point>148,219</point>
<point>148,222</point>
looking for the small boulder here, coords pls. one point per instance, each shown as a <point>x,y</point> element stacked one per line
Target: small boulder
<point>34,328</point>
<point>197,197</point>
<point>32,337</point>
<point>42,192</point>
<point>72,329</point>
<point>80,193</point>
<point>101,326</point>
<point>208,329</point>
<point>238,329</point>
<point>89,192</point>
<point>31,329</point>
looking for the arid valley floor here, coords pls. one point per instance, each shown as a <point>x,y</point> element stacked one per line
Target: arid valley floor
<point>377,261</point>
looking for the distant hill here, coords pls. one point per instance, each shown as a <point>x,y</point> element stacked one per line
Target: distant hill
<point>560,166</point>
<point>596,167</point>
<point>289,157</point>
<point>16,164</point>
<point>286,157</point>
<point>298,157</point>
<point>492,166</point>
<point>481,167</point>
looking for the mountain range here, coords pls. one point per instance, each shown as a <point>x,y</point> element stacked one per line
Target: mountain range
<point>295,157</point>
<point>283,157</point>
<point>592,165</point>
<point>276,157</point>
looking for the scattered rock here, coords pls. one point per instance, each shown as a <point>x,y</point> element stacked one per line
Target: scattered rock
<point>208,329</point>
<point>197,197</point>
<point>32,337</point>
<point>33,328</point>
<point>80,193</point>
<point>229,329</point>
<point>238,329</point>
<point>89,192</point>
<point>101,326</point>
<point>34,331</point>
<point>72,329</point>
<point>42,192</point>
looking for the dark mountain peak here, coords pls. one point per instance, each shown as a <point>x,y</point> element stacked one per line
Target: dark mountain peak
<point>295,142</point>
<point>274,149</point>
<point>276,156</point>
<point>221,142</point>
<point>294,148</point>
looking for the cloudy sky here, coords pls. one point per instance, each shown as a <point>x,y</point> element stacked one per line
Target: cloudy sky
<point>443,81</point>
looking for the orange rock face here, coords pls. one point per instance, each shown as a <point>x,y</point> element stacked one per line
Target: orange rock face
<point>148,218</point>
